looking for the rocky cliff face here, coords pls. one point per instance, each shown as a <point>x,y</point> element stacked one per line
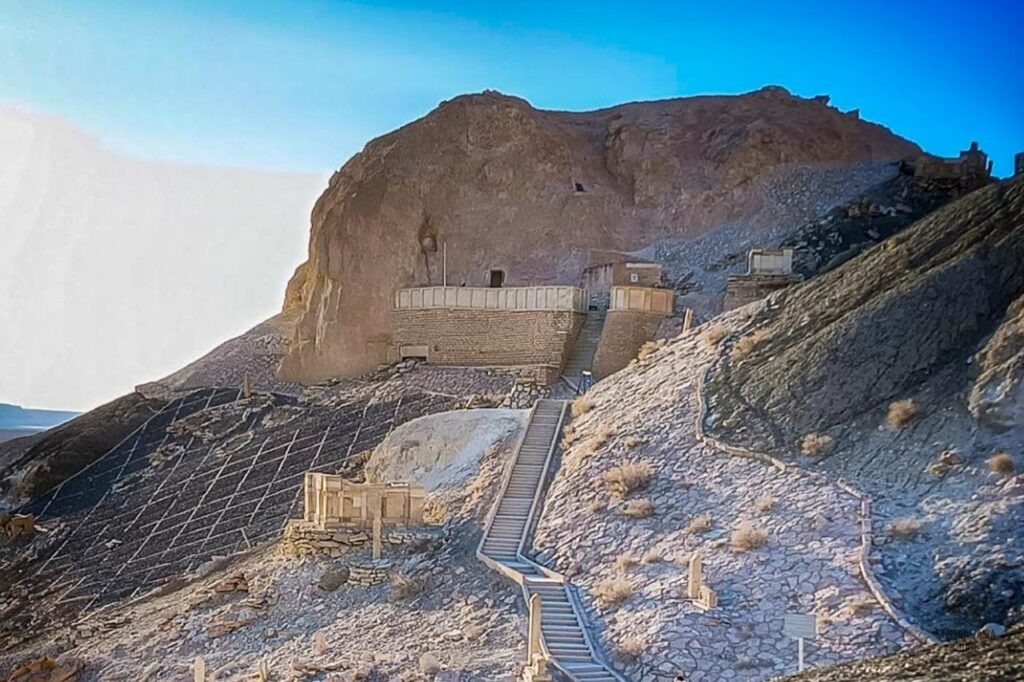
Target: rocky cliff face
<point>510,187</point>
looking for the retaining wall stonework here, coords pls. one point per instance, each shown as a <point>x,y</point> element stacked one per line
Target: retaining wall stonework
<point>488,338</point>
<point>623,335</point>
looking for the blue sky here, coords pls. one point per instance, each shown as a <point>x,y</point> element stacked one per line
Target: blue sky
<point>303,85</point>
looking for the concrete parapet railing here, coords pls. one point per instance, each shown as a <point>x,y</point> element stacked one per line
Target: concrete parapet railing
<point>866,541</point>
<point>505,298</point>
<point>641,300</point>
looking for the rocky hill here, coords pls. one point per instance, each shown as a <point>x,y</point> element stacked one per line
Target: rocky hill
<point>510,187</point>
<point>899,372</point>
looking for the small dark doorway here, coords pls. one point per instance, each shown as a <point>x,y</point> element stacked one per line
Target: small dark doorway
<point>579,187</point>
<point>497,279</point>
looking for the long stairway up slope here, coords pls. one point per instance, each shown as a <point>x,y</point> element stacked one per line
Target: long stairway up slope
<point>564,635</point>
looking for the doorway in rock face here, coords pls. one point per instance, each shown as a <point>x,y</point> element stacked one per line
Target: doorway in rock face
<point>497,279</point>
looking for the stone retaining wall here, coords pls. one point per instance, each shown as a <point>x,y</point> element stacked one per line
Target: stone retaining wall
<point>303,539</point>
<point>625,331</point>
<point>487,338</point>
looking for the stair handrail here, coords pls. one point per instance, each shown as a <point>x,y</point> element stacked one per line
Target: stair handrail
<point>521,555</point>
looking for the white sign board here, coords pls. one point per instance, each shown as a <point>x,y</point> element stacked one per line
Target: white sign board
<point>800,625</point>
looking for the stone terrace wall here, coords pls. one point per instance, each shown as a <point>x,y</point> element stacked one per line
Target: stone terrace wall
<point>488,338</point>
<point>624,332</point>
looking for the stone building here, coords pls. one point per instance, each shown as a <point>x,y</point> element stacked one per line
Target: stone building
<point>768,270</point>
<point>606,269</point>
<point>972,168</point>
<point>333,502</point>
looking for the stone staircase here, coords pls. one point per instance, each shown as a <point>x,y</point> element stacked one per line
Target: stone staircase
<point>565,639</point>
<point>582,357</point>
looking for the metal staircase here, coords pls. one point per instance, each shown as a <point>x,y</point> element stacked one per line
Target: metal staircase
<point>565,640</point>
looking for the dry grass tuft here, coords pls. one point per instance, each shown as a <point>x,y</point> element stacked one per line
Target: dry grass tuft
<point>816,444</point>
<point>594,443</point>
<point>638,509</point>
<point>429,664</point>
<point>906,528</point>
<point>404,587</point>
<point>699,524</point>
<point>596,506</point>
<point>652,556</point>
<point>764,504</point>
<point>630,649</point>
<point>901,412</point>
<point>747,538</point>
<point>647,350</point>
<point>748,343</point>
<point>624,562</point>
<point>613,591</point>
<point>1002,463</point>
<point>632,442</point>
<point>858,606</point>
<point>581,406</point>
<point>627,478</point>
<point>713,335</point>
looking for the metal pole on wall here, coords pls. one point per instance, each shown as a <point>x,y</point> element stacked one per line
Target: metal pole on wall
<point>444,263</point>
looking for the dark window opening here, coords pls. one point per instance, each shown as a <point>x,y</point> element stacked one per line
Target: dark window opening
<point>497,279</point>
<point>579,187</point>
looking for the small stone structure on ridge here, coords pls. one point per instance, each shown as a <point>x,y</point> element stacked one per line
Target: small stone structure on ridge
<point>971,169</point>
<point>768,270</point>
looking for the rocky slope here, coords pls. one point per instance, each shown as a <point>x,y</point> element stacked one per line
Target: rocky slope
<point>899,372</point>
<point>977,659</point>
<point>510,187</point>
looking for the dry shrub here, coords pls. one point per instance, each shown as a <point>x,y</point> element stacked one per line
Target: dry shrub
<point>647,350</point>
<point>1002,463</point>
<point>630,649</point>
<point>594,443</point>
<point>627,478</point>
<point>652,556</point>
<point>816,444</point>
<point>569,436</point>
<point>713,335</point>
<point>699,524</point>
<point>429,664</point>
<point>901,412</point>
<point>857,606</point>
<point>748,343</point>
<point>624,562</point>
<point>638,509</point>
<point>632,442</point>
<point>747,538</point>
<point>581,406</point>
<point>596,506</point>
<point>613,591</point>
<point>764,504</point>
<point>404,587</point>
<point>906,528</point>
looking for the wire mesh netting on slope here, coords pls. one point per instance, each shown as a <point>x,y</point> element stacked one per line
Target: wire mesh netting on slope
<point>134,520</point>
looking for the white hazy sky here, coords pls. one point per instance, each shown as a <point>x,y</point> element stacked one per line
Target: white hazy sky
<point>115,270</point>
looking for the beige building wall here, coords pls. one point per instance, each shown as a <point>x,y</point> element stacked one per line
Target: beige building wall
<point>625,331</point>
<point>486,338</point>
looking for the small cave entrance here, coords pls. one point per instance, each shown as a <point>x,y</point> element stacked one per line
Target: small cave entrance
<point>579,187</point>
<point>496,279</point>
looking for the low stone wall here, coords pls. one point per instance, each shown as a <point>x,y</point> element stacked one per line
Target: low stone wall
<point>743,289</point>
<point>487,338</point>
<point>369,573</point>
<point>625,331</point>
<point>525,393</point>
<point>302,539</point>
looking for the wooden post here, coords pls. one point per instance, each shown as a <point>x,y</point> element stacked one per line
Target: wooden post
<point>376,538</point>
<point>199,670</point>
<point>536,663</point>
<point>246,386</point>
<point>687,320</point>
<point>695,577</point>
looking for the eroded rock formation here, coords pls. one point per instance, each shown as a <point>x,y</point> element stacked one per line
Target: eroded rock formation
<point>506,186</point>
